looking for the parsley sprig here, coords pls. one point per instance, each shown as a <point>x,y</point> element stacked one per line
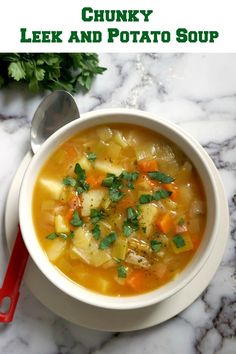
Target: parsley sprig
<point>50,71</point>
<point>79,183</point>
<point>107,241</point>
<point>55,235</point>
<point>161,177</point>
<point>116,184</point>
<point>158,195</point>
<point>131,223</point>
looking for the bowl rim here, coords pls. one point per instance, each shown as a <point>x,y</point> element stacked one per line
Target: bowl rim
<point>92,119</point>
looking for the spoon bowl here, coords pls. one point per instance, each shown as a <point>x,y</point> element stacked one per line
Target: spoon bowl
<point>55,111</point>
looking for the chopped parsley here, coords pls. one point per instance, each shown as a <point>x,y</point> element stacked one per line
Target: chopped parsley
<point>54,235</point>
<point>131,224</point>
<point>130,177</point>
<point>148,198</point>
<point>178,241</point>
<point>155,245</point>
<point>96,215</point>
<point>71,235</point>
<point>122,271</point>
<point>114,184</point>
<point>76,220</point>
<point>161,194</point>
<point>145,198</point>
<point>108,181</point>
<point>132,214</point>
<point>81,184</point>
<point>51,236</point>
<point>91,156</point>
<point>127,228</point>
<point>161,177</point>
<point>181,221</point>
<point>96,232</point>
<point>69,181</point>
<point>107,241</point>
<point>80,173</point>
<point>115,195</point>
<point>79,190</point>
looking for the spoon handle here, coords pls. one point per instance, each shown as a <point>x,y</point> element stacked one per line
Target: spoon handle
<point>9,293</point>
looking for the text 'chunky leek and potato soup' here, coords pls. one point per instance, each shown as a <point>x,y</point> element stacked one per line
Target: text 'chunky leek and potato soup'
<point>119,209</point>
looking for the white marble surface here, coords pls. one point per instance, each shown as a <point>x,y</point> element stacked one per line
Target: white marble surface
<point>198,92</point>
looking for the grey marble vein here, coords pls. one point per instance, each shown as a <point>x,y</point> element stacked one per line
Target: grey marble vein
<point>196,91</point>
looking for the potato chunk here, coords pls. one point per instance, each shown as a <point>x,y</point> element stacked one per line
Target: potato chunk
<point>149,213</point>
<point>92,200</point>
<point>53,187</point>
<point>55,248</point>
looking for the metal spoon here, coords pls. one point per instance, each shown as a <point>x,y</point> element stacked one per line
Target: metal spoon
<point>56,110</point>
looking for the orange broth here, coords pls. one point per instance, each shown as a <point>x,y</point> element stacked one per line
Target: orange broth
<point>119,210</point>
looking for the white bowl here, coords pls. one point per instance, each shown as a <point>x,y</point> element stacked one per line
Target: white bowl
<point>185,142</point>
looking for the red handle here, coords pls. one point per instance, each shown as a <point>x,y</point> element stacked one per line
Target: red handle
<point>13,277</point>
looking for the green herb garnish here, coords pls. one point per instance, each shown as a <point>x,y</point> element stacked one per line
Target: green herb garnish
<point>80,172</point>
<point>161,194</point>
<point>115,195</point>
<point>96,215</point>
<point>91,156</point>
<point>148,198</point>
<point>122,271</point>
<point>127,228</point>
<point>69,181</point>
<point>54,235</point>
<point>76,220</point>
<point>132,214</point>
<point>96,232</point>
<point>181,221</point>
<point>82,185</point>
<point>107,241</point>
<point>145,198</point>
<point>114,184</point>
<point>50,71</point>
<point>130,177</point>
<point>161,177</point>
<point>109,180</point>
<point>155,245</point>
<point>79,190</point>
<point>178,241</point>
<point>71,235</point>
<point>51,236</point>
<point>131,224</point>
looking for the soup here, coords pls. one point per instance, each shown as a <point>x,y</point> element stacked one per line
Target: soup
<point>119,210</point>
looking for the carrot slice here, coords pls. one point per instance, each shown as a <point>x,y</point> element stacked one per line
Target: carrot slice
<point>147,165</point>
<point>71,151</point>
<point>195,241</point>
<point>165,222</point>
<point>172,188</point>
<point>69,215</point>
<point>74,202</point>
<point>95,181</point>
<point>136,280</point>
<point>125,202</point>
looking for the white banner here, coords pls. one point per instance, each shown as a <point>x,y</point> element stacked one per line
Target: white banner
<point>118,26</point>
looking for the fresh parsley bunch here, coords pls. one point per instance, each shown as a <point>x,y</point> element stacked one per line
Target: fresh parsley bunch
<point>50,71</point>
